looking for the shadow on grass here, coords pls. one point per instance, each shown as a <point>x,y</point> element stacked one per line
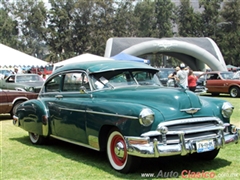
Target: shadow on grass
<point>4,117</point>
<point>99,160</point>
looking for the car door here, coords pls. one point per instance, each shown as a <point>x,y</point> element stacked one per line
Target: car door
<point>4,104</point>
<point>215,83</point>
<point>8,83</point>
<point>65,103</point>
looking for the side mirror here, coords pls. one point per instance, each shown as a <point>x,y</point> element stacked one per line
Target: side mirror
<point>83,90</point>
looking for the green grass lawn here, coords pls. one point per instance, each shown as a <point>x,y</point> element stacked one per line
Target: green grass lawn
<point>58,160</point>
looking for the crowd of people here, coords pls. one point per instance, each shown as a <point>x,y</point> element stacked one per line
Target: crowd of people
<point>183,76</point>
<point>17,70</point>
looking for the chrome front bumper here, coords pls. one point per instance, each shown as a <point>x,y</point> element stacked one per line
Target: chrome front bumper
<point>142,147</point>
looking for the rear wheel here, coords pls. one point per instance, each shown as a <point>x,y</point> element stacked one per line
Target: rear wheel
<point>14,108</point>
<point>117,153</point>
<point>207,156</point>
<point>36,138</point>
<point>234,91</point>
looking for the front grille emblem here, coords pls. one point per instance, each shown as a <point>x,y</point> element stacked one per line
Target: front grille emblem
<point>190,110</point>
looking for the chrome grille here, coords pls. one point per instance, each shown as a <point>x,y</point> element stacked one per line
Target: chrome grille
<point>195,128</point>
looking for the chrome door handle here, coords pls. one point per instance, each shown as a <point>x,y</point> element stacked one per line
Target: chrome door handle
<point>59,96</point>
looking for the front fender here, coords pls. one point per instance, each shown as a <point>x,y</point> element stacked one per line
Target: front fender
<point>33,117</point>
<point>123,115</point>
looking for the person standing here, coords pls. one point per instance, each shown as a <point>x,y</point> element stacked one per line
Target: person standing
<point>44,77</point>
<point>172,78</point>
<point>15,71</point>
<point>192,81</point>
<point>182,76</point>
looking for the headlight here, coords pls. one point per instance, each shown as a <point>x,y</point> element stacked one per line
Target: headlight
<point>227,109</point>
<point>146,117</point>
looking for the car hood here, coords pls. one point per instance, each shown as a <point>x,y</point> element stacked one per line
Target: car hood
<point>172,103</point>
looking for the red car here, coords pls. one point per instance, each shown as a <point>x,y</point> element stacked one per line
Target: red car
<point>217,82</point>
<point>11,99</point>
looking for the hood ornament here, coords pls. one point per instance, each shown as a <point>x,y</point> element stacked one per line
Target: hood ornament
<point>190,110</point>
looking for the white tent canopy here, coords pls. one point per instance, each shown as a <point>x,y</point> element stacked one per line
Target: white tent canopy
<point>81,58</point>
<point>13,57</point>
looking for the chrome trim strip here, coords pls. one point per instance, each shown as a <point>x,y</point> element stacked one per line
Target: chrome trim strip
<point>76,110</point>
<point>4,104</point>
<point>157,133</point>
<point>101,113</point>
<point>196,130</point>
<point>111,114</point>
<point>74,142</point>
<point>20,98</point>
<point>192,120</point>
<point>192,139</point>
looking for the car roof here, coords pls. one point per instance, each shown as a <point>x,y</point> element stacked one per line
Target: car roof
<point>104,65</point>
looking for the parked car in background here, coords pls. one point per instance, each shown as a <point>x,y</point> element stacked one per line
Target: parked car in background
<point>4,73</point>
<point>198,73</point>
<point>11,99</point>
<point>22,82</point>
<point>199,88</point>
<point>236,75</point>
<point>164,73</point>
<point>217,82</point>
<point>121,107</point>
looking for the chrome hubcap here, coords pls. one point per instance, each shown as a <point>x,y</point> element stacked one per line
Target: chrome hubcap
<point>234,92</point>
<point>119,150</point>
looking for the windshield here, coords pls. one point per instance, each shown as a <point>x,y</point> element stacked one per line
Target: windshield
<point>164,73</point>
<point>28,78</point>
<point>227,75</point>
<point>123,78</point>
<point>236,75</point>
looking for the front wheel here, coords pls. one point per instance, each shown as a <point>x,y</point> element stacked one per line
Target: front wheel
<point>36,138</point>
<point>117,153</point>
<point>234,92</point>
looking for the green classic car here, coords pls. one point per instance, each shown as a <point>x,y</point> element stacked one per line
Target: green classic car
<point>121,107</point>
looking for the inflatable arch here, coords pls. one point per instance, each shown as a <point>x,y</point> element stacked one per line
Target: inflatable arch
<point>194,52</point>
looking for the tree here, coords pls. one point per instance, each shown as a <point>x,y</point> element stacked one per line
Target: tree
<point>188,21</point>
<point>79,26</point>
<point>144,11</point>
<point>229,39</point>
<point>103,25</point>
<point>8,26</point>
<point>31,18</point>
<point>210,17</point>
<point>164,18</point>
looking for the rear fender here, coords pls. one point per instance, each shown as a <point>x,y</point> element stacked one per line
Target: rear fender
<point>33,117</point>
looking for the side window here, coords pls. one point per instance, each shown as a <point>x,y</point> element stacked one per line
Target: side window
<point>11,79</point>
<point>54,84</point>
<point>212,77</point>
<point>74,81</point>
